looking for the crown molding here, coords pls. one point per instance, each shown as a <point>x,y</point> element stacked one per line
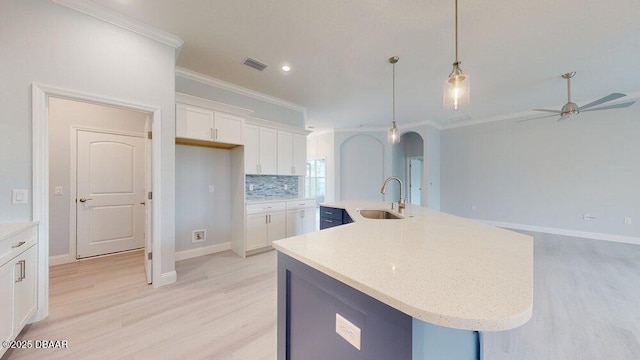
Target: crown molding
<point>192,75</point>
<point>418,124</point>
<point>252,120</point>
<point>361,129</point>
<point>210,104</point>
<point>106,14</point>
<point>320,132</point>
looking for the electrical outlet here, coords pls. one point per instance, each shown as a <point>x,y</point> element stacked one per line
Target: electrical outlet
<point>473,208</point>
<point>348,331</point>
<point>211,188</point>
<point>198,236</point>
<point>286,187</point>
<point>57,191</point>
<point>587,217</point>
<point>627,220</point>
<point>250,187</point>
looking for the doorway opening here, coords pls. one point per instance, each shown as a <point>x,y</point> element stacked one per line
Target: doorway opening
<point>414,179</point>
<point>41,95</point>
<point>408,165</point>
<point>100,172</point>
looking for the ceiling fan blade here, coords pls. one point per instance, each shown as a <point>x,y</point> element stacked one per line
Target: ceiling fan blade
<point>605,99</point>
<point>548,110</point>
<point>536,118</point>
<point>616,106</point>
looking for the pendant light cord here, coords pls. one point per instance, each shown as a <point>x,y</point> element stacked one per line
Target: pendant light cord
<point>457,32</point>
<point>394,93</point>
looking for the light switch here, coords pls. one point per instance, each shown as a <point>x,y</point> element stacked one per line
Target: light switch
<point>57,191</point>
<point>20,197</point>
<point>211,188</point>
<point>627,220</point>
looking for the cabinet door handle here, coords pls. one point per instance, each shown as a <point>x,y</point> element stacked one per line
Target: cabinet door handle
<point>210,133</point>
<point>266,219</point>
<point>216,134</point>
<point>302,214</point>
<point>269,219</point>
<point>18,245</point>
<point>22,272</point>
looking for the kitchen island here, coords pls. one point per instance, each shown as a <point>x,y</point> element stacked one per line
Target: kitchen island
<point>421,287</point>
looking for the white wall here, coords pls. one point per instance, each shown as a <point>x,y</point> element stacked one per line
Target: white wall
<point>47,43</point>
<point>361,171</point>
<point>431,178</point>
<point>547,173</point>
<point>63,115</point>
<point>261,109</point>
<point>196,207</point>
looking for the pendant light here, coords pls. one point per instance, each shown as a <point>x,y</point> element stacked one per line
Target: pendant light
<point>456,86</point>
<point>394,135</point>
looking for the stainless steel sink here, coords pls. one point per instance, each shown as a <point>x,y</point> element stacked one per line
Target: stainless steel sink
<point>378,214</point>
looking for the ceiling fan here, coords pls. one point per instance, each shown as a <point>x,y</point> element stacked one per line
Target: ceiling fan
<point>571,108</point>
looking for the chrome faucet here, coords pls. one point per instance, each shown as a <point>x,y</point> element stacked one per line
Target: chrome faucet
<point>401,203</point>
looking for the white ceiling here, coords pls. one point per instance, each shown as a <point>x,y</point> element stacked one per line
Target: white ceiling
<point>514,52</point>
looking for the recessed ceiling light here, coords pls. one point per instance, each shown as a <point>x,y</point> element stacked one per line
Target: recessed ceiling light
<point>286,68</point>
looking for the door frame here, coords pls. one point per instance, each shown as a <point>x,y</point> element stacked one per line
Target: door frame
<point>73,183</point>
<point>40,172</point>
<point>408,176</point>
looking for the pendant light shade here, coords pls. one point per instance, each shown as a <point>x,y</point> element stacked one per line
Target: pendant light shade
<point>394,134</point>
<point>457,86</point>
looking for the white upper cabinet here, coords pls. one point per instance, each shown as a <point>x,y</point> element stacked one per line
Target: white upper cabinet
<point>260,150</point>
<point>299,154</point>
<point>292,153</point>
<point>193,122</point>
<point>199,123</point>
<point>228,128</point>
<point>268,151</point>
<point>285,153</point>
<point>251,159</point>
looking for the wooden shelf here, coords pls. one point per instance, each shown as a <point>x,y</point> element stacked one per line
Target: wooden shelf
<point>203,143</point>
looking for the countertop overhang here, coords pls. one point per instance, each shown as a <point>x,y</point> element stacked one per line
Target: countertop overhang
<point>438,268</point>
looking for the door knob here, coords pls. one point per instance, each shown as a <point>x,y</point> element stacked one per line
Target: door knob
<point>85,199</point>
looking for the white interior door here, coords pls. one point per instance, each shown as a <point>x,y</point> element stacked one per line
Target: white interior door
<point>110,193</point>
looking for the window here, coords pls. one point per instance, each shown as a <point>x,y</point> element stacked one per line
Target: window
<point>314,181</point>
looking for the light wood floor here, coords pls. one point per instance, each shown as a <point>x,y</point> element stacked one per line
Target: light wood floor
<point>587,306</point>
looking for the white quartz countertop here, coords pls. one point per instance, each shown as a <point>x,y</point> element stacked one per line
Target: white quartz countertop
<point>435,267</point>
<point>9,229</point>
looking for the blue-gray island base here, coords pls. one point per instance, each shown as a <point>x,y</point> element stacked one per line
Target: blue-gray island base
<point>308,302</point>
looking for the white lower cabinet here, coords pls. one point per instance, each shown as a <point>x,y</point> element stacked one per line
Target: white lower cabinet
<point>25,288</point>
<point>265,223</point>
<point>301,217</point>
<point>18,279</point>
<point>6,303</point>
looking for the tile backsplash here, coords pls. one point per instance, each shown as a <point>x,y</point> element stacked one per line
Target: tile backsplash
<point>271,187</point>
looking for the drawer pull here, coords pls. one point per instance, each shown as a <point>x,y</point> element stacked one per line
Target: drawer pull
<point>328,212</point>
<point>18,245</point>
<point>327,220</point>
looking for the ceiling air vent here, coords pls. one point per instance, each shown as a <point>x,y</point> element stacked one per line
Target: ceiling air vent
<point>254,64</point>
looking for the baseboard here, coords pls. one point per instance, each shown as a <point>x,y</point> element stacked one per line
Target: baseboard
<point>61,259</point>
<point>168,278</point>
<point>565,232</point>
<point>201,251</point>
